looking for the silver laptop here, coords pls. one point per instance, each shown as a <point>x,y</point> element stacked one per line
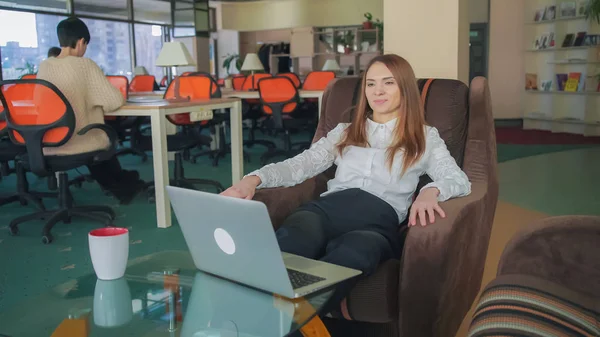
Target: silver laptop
<point>234,239</point>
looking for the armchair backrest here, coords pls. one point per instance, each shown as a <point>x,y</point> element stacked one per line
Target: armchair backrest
<point>38,115</point>
<point>448,110</point>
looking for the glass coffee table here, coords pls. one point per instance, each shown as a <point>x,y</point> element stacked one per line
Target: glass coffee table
<point>162,294</point>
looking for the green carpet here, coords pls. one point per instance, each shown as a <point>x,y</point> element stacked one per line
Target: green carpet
<point>27,266</point>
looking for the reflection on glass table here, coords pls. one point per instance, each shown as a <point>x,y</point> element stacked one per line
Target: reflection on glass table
<point>162,294</point>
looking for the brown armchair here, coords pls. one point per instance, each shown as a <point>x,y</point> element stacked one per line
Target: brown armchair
<point>427,292</point>
<point>553,261</point>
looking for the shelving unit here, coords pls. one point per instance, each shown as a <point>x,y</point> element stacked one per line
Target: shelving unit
<point>312,46</point>
<point>555,110</point>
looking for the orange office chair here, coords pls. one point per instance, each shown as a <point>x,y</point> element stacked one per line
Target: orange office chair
<point>127,127</point>
<point>29,77</point>
<point>48,120</point>
<point>279,99</point>
<point>238,82</point>
<point>195,87</point>
<point>142,83</point>
<point>295,79</point>
<point>9,152</point>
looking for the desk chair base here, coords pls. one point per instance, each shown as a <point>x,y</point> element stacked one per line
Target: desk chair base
<point>179,179</point>
<point>24,195</point>
<point>133,151</point>
<point>65,212</point>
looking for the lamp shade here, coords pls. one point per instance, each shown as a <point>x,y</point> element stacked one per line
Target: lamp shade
<point>251,62</point>
<point>140,70</point>
<point>174,54</point>
<point>331,65</point>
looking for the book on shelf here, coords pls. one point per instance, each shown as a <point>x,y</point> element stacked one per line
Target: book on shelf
<point>531,81</point>
<point>561,80</point>
<point>568,9</point>
<point>572,82</point>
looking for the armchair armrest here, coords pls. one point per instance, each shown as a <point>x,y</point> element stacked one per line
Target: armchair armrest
<point>443,265</point>
<point>112,138</point>
<point>282,201</point>
<point>561,249</point>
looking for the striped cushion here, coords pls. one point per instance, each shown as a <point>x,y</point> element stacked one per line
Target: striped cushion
<point>533,309</point>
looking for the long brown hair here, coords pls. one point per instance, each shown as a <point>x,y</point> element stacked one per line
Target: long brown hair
<point>409,134</point>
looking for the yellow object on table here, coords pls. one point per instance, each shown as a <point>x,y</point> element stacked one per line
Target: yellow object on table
<point>73,327</point>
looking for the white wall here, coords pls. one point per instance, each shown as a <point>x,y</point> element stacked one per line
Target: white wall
<point>432,52</point>
<point>506,72</point>
<point>263,15</point>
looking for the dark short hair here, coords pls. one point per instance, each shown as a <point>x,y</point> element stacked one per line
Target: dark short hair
<point>54,51</point>
<point>71,30</point>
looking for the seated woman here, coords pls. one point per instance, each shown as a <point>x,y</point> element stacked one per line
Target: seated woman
<point>380,156</point>
<point>91,95</point>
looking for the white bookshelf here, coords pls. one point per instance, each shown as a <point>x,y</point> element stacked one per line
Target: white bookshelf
<point>555,110</point>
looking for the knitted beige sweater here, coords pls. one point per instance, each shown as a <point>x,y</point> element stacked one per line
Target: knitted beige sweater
<point>90,94</point>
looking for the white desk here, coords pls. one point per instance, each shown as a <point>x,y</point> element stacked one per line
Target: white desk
<point>255,95</point>
<point>157,113</point>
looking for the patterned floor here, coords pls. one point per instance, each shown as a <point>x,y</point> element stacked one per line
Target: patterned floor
<point>551,183</point>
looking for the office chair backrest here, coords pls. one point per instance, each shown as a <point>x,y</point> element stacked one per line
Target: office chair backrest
<point>194,87</point>
<point>29,77</point>
<point>2,120</point>
<point>251,82</point>
<point>238,82</point>
<point>278,96</point>
<point>38,115</point>
<point>292,76</point>
<point>318,80</point>
<point>216,89</point>
<point>142,83</point>
<point>121,83</point>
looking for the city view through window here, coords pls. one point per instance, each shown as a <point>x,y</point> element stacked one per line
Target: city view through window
<point>24,48</point>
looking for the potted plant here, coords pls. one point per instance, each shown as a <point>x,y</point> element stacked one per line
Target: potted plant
<point>369,23</point>
<point>378,24</point>
<point>592,13</point>
<point>348,41</point>
<point>593,10</point>
<point>231,59</point>
<point>28,69</point>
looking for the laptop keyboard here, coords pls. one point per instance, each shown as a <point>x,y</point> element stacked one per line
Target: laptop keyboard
<point>300,279</point>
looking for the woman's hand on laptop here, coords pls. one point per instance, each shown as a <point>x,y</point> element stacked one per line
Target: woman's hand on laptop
<point>244,189</point>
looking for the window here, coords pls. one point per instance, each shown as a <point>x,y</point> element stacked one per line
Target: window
<point>109,46</point>
<point>116,9</point>
<point>23,49</point>
<point>152,11</point>
<point>55,6</point>
<point>148,42</point>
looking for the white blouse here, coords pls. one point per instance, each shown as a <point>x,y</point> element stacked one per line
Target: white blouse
<point>366,167</point>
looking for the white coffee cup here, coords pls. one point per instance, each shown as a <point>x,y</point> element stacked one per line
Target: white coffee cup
<point>109,250</point>
<point>112,303</point>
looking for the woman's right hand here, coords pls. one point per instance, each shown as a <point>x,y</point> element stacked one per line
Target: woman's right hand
<point>243,189</point>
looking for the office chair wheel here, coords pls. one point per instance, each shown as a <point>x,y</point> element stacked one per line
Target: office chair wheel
<point>47,239</point>
<point>13,230</point>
